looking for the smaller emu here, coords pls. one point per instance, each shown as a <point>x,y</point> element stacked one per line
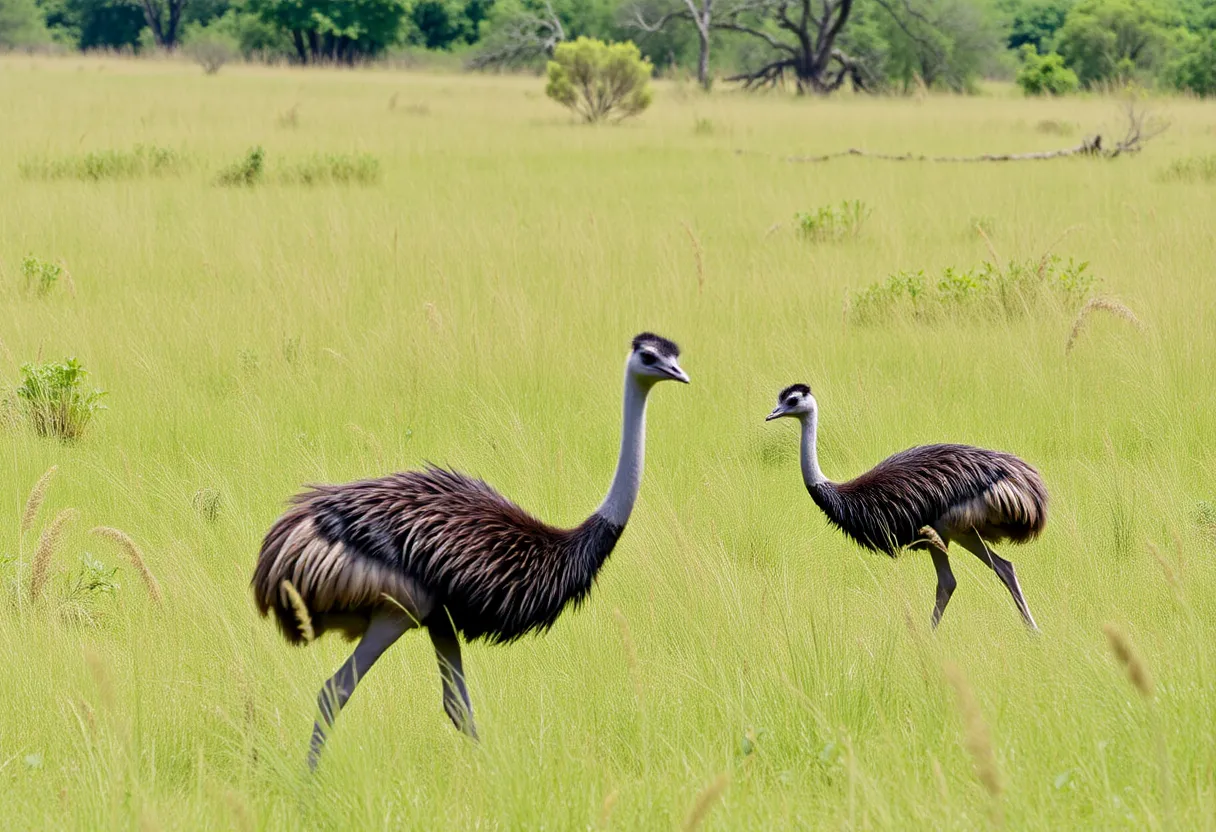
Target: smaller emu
<point>438,549</point>
<point>924,497</point>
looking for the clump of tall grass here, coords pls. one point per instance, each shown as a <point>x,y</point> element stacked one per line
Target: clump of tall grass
<point>332,169</point>
<point>831,222</point>
<point>54,401</point>
<point>246,171</point>
<point>95,166</point>
<point>206,502</point>
<point>1111,306</point>
<point>985,291</point>
<point>1191,169</point>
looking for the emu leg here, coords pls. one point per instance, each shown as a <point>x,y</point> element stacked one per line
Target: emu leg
<point>455,695</point>
<point>945,580</point>
<point>1003,569</point>
<point>385,628</point>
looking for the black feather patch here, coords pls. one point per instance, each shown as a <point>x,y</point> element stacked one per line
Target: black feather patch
<point>794,388</point>
<point>665,348</point>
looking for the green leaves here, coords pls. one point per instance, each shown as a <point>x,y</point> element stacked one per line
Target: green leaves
<point>54,400</point>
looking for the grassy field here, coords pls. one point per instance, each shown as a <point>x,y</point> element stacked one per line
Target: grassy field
<point>473,306</point>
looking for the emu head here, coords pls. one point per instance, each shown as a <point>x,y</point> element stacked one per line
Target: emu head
<point>655,359</point>
<point>795,400</point>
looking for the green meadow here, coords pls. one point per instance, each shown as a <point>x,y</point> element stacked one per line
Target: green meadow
<point>449,268</point>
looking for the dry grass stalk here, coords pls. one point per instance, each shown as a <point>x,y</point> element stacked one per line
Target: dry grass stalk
<point>607,806</point>
<point>975,733</point>
<point>631,652</point>
<point>134,555</point>
<point>48,542</point>
<point>37,495</point>
<point>698,255</point>
<point>1133,664</point>
<point>705,801</point>
<point>996,258</point>
<point>1100,304</point>
<point>301,611</point>
<point>1171,576</point>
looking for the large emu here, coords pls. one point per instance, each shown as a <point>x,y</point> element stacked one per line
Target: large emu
<point>438,549</point>
<point>924,497</point>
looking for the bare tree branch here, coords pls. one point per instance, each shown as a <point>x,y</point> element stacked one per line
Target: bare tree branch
<point>520,40</point>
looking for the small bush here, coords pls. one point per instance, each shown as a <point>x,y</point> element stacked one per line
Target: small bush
<point>599,81</point>
<point>1191,169</point>
<point>333,168</point>
<point>140,161</point>
<point>54,401</point>
<point>986,291</point>
<point>832,223</point>
<point>1045,74</point>
<point>209,47</point>
<point>246,171</point>
<point>40,276</point>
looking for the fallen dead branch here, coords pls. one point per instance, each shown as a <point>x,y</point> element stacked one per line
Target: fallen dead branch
<point>1140,126</point>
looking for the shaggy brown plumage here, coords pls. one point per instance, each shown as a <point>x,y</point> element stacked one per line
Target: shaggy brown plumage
<point>955,489</point>
<point>430,540</point>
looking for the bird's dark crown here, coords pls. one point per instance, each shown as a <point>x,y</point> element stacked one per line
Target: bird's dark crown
<point>794,388</point>
<point>665,348</point>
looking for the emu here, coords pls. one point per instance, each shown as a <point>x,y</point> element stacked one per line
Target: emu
<point>925,497</point>
<point>438,549</point>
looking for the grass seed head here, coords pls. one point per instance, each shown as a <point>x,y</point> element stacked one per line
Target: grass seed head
<point>1133,664</point>
<point>48,542</point>
<point>37,495</point>
<point>134,555</point>
<point>975,733</point>
<point>705,801</point>
<point>301,610</point>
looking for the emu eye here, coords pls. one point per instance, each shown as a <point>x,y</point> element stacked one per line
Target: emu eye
<point>791,401</point>
<point>648,358</point>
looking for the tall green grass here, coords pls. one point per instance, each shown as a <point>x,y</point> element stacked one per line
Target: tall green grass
<point>739,665</point>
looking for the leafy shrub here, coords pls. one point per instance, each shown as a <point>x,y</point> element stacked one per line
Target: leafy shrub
<point>1192,169</point>
<point>335,168</point>
<point>985,291</point>
<point>40,275</point>
<point>209,47</point>
<point>599,81</point>
<point>832,223</point>
<point>1045,74</point>
<point>140,161</point>
<point>53,400</point>
<point>246,171</point>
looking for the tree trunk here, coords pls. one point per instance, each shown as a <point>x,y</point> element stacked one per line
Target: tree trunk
<point>297,38</point>
<point>703,60</point>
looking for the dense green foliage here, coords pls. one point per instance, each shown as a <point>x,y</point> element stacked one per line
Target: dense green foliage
<point>1045,74</point>
<point>947,44</point>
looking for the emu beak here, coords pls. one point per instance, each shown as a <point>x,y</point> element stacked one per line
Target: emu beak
<point>776,414</point>
<point>677,374</point>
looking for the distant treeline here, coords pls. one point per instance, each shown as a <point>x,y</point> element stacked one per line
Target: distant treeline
<point>1052,46</point>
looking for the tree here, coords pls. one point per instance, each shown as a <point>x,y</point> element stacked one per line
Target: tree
<point>1034,22</point>
<point>701,17</point>
<point>802,39</point>
<point>519,35</point>
<point>21,24</point>
<point>599,81</point>
<point>334,30</point>
<point>164,18</point>
<point>946,43</point>
<point>1103,40</point>
<point>1195,70</point>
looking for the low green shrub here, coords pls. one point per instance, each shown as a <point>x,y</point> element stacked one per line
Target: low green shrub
<point>332,168</point>
<point>599,81</point>
<point>246,171</point>
<point>41,276</point>
<point>986,291</point>
<point>833,223</point>
<point>1045,74</point>
<point>1191,169</point>
<point>53,399</point>
<point>140,161</point>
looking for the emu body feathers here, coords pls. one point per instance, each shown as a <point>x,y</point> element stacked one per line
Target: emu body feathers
<point>430,540</point>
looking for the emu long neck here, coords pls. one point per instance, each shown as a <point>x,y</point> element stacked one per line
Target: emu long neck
<point>811,475</point>
<point>618,505</point>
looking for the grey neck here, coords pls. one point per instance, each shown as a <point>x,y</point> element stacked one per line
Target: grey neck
<point>618,505</point>
<point>811,475</point>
